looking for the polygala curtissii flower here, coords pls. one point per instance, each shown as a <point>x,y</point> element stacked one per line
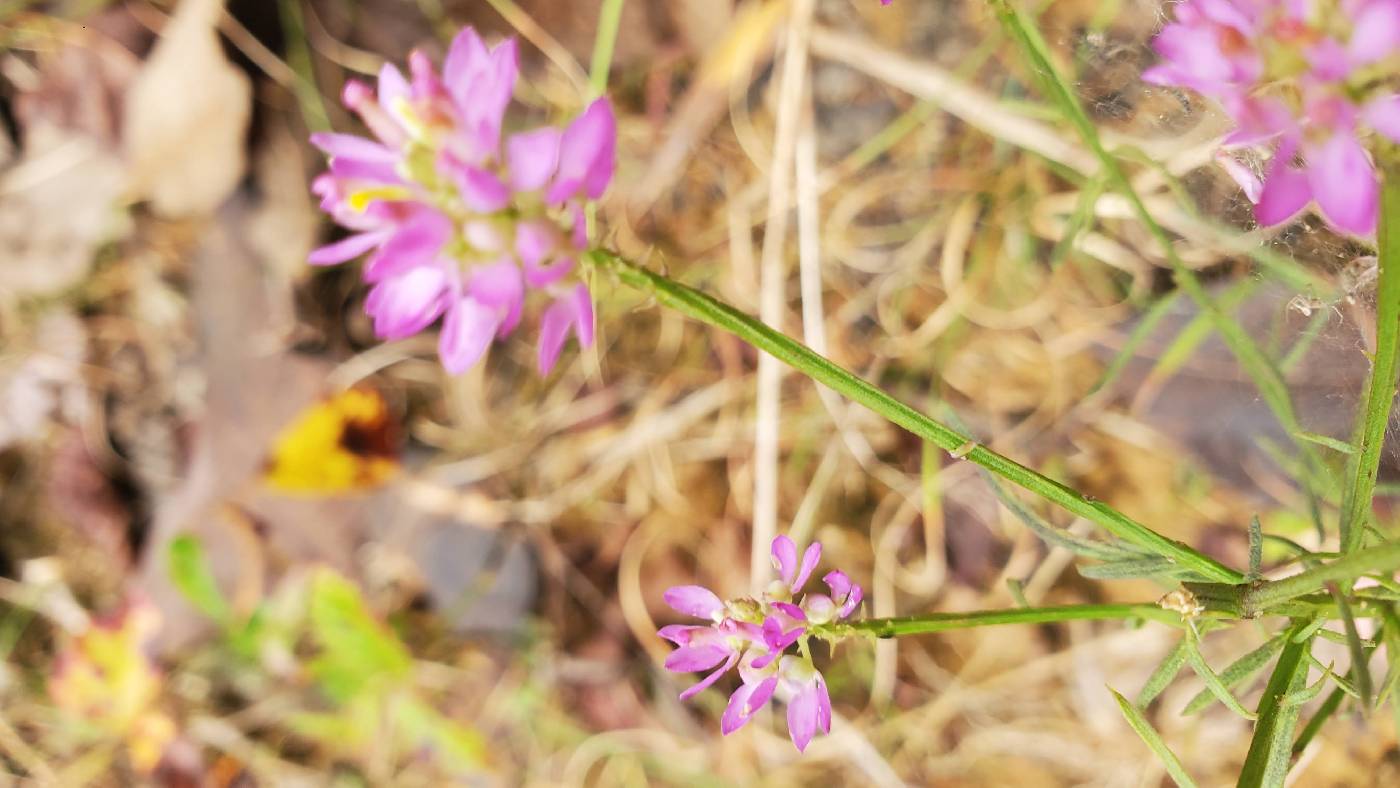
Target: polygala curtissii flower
<point>460,220</point>
<point>1313,82</point>
<point>755,635</point>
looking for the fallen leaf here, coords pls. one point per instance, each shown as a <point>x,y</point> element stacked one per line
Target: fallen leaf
<point>187,117</point>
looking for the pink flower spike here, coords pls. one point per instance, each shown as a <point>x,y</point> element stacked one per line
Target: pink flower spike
<point>745,703</point>
<point>695,601</point>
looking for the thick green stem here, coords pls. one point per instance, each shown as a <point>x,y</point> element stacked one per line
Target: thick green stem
<point>707,309</point>
<point>1385,558</point>
<point>1380,395</point>
<point>941,622</point>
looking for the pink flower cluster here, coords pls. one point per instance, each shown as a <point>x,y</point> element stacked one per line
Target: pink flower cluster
<point>1307,79</point>
<point>460,222</point>
<point>754,634</point>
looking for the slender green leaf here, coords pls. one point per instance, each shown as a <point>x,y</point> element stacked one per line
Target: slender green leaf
<point>357,651</point>
<point>1326,440</point>
<point>1237,673</point>
<point>941,622</point>
<point>1256,546</point>
<point>1213,682</point>
<point>1154,566</point>
<point>1374,414</point>
<point>709,310</point>
<point>1144,328</point>
<point>1360,671</point>
<point>1163,676</point>
<point>190,572</point>
<point>1153,740</point>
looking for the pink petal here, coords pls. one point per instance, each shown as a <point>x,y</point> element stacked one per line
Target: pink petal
<point>392,87</point>
<point>690,659</point>
<point>784,558</point>
<point>415,242</point>
<point>1383,115</point>
<point>1344,184</point>
<point>406,304</point>
<point>532,157</point>
<point>810,557</point>
<point>1286,190</point>
<point>695,601</point>
<point>347,248</point>
<point>587,154</point>
<point>680,634</point>
<point>745,703</point>
<point>823,705</point>
<point>710,679</point>
<point>353,147</point>
<point>573,310</point>
<point>480,188</point>
<point>466,334</point>
<point>804,715</point>
<point>500,287</point>
<point>1375,33</point>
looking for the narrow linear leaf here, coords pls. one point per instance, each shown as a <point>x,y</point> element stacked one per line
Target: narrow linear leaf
<point>1057,537</point>
<point>1360,671</point>
<point>1153,740</point>
<point>1306,694</point>
<point>1128,569</point>
<point>1325,440</point>
<point>190,572</point>
<point>1256,546</point>
<point>1144,328</point>
<point>1272,744</point>
<point>1213,682</point>
<point>1324,713</point>
<point>1162,677</point>
<point>1374,414</point>
<point>1237,673</point>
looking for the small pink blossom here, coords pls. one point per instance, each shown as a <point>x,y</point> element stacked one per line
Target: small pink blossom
<point>1299,79</point>
<point>755,636</point>
<point>461,221</point>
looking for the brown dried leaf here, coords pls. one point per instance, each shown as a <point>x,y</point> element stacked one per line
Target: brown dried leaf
<point>187,117</point>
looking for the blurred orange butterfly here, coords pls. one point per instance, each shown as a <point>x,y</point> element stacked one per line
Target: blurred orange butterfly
<point>343,443</point>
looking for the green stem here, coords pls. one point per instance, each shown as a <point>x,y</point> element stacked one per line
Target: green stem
<point>1384,558</point>
<point>1380,395</point>
<point>609,18</point>
<point>707,309</point>
<point>941,622</point>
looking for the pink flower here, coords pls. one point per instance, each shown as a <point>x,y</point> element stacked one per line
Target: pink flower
<point>756,634</point>
<point>459,222</point>
<point>1297,78</point>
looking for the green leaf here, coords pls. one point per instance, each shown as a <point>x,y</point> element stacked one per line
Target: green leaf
<point>1059,537</point>
<point>1164,674</point>
<point>458,748</point>
<point>1144,328</point>
<point>357,651</point>
<point>1272,744</point>
<point>1213,682</point>
<point>820,369</point>
<point>1326,440</point>
<point>1256,546</point>
<point>1153,740</point>
<point>191,574</point>
<point>1374,414</point>
<point>1127,569</point>
<point>1237,672</point>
